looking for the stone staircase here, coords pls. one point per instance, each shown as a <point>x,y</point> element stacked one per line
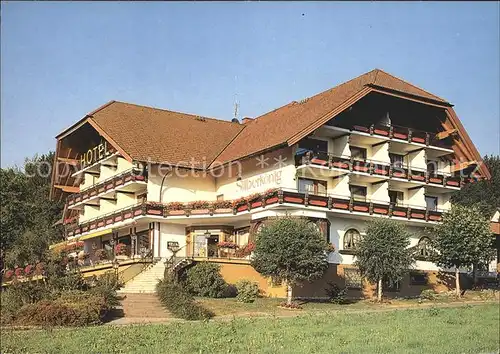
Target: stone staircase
<point>143,305</point>
<point>146,281</point>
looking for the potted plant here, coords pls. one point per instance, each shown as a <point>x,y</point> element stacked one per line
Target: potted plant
<point>199,207</point>
<point>240,204</point>
<point>121,251</point>
<point>222,206</point>
<point>176,208</point>
<point>101,254</point>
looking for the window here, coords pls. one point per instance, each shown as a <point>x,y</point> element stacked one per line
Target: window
<point>351,239</point>
<point>314,145</point>
<point>432,167</point>
<point>353,279</point>
<point>220,197</point>
<point>418,278</point>
<point>396,197</point>
<point>391,286</point>
<point>396,160</point>
<point>312,186</point>
<point>358,192</point>
<point>358,153</point>
<point>431,202</point>
<point>424,247</point>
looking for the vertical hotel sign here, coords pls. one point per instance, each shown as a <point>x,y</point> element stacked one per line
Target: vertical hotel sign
<point>95,154</point>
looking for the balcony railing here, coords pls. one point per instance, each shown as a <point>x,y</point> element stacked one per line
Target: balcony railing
<point>377,168</point>
<point>132,175</point>
<point>256,202</point>
<point>402,133</point>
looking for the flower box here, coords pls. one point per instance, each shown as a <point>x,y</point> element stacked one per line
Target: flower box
<point>176,212</point>
<point>200,211</point>
<point>223,211</point>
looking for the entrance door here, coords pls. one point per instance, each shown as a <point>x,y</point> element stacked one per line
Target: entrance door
<point>212,250</point>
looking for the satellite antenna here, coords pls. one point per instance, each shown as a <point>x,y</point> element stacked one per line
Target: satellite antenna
<point>236,105</point>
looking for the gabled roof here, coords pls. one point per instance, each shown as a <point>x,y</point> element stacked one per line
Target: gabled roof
<point>161,136</point>
<point>285,124</point>
<point>151,134</point>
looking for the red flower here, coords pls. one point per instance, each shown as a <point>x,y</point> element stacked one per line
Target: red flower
<point>19,272</point>
<point>9,274</point>
<point>227,244</point>
<point>120,248</point>
<point>28,270</point>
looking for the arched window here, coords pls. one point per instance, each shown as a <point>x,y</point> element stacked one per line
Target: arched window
<point>351,239</point>
<point>424,248</point>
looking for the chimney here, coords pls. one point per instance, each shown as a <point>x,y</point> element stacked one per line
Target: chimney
<point>246,120</point>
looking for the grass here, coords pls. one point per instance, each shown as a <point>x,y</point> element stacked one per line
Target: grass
<point>466,329</point>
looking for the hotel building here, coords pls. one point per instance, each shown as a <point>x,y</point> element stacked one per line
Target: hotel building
<point>162,182</point>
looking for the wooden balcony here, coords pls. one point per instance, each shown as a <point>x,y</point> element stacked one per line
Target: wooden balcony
<point>122,181</point>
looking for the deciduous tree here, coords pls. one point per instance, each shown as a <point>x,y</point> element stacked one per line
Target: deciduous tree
<point>383,253</point>
<point>463,239</point>
<point>292,250</point>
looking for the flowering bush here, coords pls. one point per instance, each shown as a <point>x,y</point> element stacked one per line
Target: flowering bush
<point>28,269</point>
<point>199,204</point>
<point>75,246</point>
<point>19,272</point>
<point>175,206</point>
<point>222,204</point>
<point>8,274</point>
<point>227,244</point>
<point>120,248</point>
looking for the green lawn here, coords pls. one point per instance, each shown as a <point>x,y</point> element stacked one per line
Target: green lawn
<point>468,329</point>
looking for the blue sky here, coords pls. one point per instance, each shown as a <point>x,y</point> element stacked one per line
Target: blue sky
<point>62,60</point>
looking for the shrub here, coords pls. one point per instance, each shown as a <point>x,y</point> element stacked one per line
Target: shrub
<point>101,254</point>
<point>75,308</point>
<point>248,291</point>
<point>106,286</point>
<point>179,302</point>
<point>204,279</point>
<point>10,303</point>
<point>336,294</point>
<point>428,294</point>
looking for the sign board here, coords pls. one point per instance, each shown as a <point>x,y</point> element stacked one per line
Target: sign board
<point>269,180</point>
<point>172,245</point>
<point>95,154</point>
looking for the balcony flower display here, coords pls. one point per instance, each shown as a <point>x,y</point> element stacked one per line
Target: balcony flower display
<point>199,205</point>
<point>28,270</point>
<point>239,202</point>
<point>175,206</point>
<point>222,204</point>
<point>120,249</point>
<point>270,193</point>
<point>227,244</point>
<point>8,274</point>
<point>19,272</point>
<point>253,197</point>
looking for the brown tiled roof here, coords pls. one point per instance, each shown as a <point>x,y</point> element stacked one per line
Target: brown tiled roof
<point>281,125</point>
<point>159,135</point>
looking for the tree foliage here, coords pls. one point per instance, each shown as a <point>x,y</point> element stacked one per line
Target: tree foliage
<point>463,239</point>
<point>27,214</point>
<point>484,193</point>
<point>383,253</point>
<point>292,250</point>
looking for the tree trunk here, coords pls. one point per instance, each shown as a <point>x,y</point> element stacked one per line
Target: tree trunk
<point>379,290</point>
<point>289,294</point>
<point>457,282</point>
<point>474,275</point>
